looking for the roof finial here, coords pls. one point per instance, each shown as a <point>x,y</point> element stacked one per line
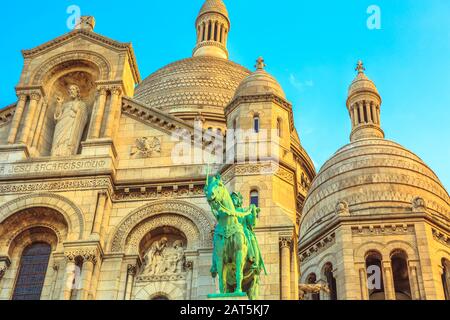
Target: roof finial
<point>360,67</point>
<point>260,64</point>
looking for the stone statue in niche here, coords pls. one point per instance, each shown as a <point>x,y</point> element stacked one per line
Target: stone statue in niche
<point>71,119</point>
<point>162,259</point>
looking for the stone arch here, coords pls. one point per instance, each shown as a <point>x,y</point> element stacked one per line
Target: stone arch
<point>44,71</point>
<point>145,216</point>
<point>362,250</point>
<point>72,214</point>
<point>399,245</point>
<point>155,289</point>
<point>182,224</point>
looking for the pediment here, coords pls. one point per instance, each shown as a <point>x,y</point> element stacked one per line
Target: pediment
<point>83,38</point>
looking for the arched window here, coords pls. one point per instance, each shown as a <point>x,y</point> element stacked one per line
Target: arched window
<point>32,271</point>
<point>331,280</point>
<point>375,281</point>
<point>254,197</point>
<point>312,279</point>
<point>400,274</point>
<point>279,127</point>
<point>256,124</point>
<point>446,278</point>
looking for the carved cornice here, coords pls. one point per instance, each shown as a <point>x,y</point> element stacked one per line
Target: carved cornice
<point>161,278</point>
<point>318,247</point>
<point>258,98</point>
<point>268,168</point>
<point>385,229</point>
<point>159,192</point>
<point>441,237</point>
<point>153,116</point>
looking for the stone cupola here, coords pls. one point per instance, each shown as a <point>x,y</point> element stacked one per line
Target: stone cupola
<point>363,105</point>
<point>212,25</point>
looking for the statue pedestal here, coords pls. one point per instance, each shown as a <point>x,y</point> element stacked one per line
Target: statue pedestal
<point>96,147</point>
<point>14,152</point>
<point>228,297</point>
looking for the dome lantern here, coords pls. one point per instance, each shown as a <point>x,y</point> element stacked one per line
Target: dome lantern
<point>363,105</point>
<point>212,25</point>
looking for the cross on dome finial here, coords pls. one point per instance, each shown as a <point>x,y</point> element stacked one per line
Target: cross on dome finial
<point>260,64</point>
<point>360,67</point>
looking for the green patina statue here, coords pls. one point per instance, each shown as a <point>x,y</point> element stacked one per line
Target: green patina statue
<point>237,259</point>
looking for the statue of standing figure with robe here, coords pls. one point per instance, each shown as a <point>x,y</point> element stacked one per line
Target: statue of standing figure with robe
<point>71,118</point>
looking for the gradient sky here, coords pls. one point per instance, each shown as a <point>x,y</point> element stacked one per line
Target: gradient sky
<point>311,47</point>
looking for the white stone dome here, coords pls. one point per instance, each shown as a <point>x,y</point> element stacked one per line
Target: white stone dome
<point>198,84</point>
<point>259,83</point>
<point>371,177</point>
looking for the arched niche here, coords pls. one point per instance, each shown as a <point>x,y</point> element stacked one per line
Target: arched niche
<point>56,87</point>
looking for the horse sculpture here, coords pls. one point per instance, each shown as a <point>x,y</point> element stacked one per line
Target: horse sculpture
<point>237,258</point>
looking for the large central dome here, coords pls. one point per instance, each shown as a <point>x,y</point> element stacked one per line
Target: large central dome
<point>192,86</point>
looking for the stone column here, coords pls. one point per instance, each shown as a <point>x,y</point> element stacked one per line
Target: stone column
<point>222,28</point>
<point>363,282</point>
<point>131,274</point>
<point>17,118</point>
<point>98,114</point>
<point>294,272</point>
<point>369,112</point>
<point>69,278</point>
<point>99,212</point>
<point>285,246</point>
<point>414,282</point>
<point>389,288</point>
<point>189,265</point>
<point>29,117</point>
<point>377,113</point>
<point>114,112</point>
<point>89,261</point>
<point>361,112</point>
<point>37,133</point>
<point>355,114</point>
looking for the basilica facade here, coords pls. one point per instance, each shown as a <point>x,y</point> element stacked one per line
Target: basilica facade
<point>102,177</point>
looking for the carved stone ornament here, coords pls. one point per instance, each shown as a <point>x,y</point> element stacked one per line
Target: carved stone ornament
<point>164,259</point>
<point>146,147</point>
<point>342,208</point>
<point>418,204</point>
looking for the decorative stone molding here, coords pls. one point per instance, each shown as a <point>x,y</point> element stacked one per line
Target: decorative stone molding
<point>374,230</point>
<point>73,215</point>
<point>161,278</point>
<point>66,185</point>
<point>159,192</point>
<point>441,237</point>
<point>318,247</point>
<point>200,219</point>
<point>7,114</point>
<point>269,168</point>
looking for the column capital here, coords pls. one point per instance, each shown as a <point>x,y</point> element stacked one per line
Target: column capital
<point>87,255</point>
<point>285,241</point>
<point>131,269</point>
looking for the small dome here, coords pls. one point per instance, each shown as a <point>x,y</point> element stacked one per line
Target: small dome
<point>259,82</point>
<point>214,6</point>
<point>371,177</point>
<point>362,83</point>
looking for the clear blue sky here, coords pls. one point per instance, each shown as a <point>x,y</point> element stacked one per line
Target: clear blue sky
<point>311,47</point>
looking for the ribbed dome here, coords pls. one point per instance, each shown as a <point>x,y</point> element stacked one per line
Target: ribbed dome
<point>362,83</point>
<point>214,6</point>
<point>259,82</point>
<point>371,177</point>
<point>192,85</point>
